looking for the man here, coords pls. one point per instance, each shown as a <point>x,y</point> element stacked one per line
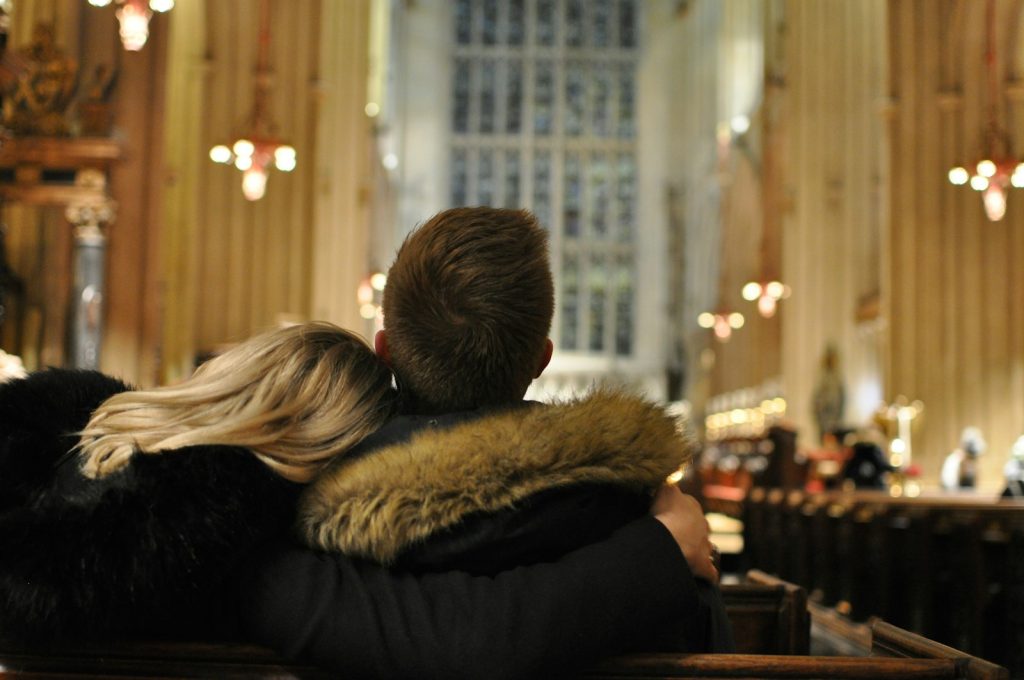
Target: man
<point>468,307</point>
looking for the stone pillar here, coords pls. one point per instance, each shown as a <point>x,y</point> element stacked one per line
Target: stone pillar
<point>88,217</point>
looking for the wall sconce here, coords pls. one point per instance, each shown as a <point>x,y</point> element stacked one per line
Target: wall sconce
<point>134,16</point>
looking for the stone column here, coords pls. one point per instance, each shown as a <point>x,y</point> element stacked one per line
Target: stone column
<point>88,217</point>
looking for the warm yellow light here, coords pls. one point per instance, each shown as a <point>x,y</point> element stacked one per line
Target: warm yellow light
<point>898,446</point>
<point>736,320</point>
<point>751,291</point>
<point>364,294</point>
<point>390,161</point>
<point>959,176</point>
<point>254,184</point>
<point>99,3</point>
<point>368,311</point>
<point>243,147</point>
<point>986,168</point>
<point>775,289</point>
<point>706,320</point>
<point>675,477</point>
<point>979,183</point>
<point>220,154</point>
<point>243,163</point>
<point>286,164</point>
<point>161,5</point>
<point>994,200</point>
<point>1017,179</point>
<point>134,26</point>
<point>379,280</point>
<point>372,109</point>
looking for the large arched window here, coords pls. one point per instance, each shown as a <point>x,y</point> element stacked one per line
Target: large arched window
<point>543,116</point>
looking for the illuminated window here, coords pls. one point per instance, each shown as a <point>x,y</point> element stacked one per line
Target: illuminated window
<point>543,117</point>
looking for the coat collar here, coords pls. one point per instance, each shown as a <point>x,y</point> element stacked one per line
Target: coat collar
<point>377,505</point>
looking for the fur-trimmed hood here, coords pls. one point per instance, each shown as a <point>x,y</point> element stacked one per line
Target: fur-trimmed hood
<point>378,505</point>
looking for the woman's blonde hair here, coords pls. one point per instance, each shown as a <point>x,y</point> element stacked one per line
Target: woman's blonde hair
<point>296,397</point>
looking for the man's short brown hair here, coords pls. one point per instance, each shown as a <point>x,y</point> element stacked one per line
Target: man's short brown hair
<point>468,307</point>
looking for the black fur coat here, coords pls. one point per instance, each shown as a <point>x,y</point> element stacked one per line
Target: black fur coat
<point>147,551</point>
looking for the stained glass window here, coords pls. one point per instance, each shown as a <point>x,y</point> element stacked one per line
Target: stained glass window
<point>544,117</point>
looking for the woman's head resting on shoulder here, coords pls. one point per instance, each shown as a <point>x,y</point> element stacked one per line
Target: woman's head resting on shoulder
<point>296,397</point>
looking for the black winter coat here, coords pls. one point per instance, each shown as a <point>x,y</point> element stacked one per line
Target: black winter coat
<point>145,552</point>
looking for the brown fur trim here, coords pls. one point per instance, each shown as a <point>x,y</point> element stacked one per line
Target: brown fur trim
<point>379,505</point>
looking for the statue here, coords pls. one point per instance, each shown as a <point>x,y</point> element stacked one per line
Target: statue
<point>37,102</point>
<point>960,471</point>
<point>1014,471</point>
<point>829,394</point>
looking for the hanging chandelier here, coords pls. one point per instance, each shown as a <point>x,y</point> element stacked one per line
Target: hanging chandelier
<point>722,323</point>
<point>133,17</point>
<point>260,149</point>
<point>997,170</point>
<point>767,294</point>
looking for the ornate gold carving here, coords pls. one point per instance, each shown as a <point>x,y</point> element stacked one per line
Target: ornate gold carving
<point>38,100</point>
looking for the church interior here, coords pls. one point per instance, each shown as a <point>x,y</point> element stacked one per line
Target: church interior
<point>795,222</point>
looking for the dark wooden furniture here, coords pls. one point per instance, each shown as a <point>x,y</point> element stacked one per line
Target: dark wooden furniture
<point>949,567</point>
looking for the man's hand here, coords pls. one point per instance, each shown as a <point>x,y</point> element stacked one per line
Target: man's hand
<point>682,515</point>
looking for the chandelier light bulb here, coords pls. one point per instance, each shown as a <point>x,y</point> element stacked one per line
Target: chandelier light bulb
<point>284,158</point>
<point>243,147</point>
<point>254,183</point>
<point>243,163</point>
<point>736,320</point>
<point>979,183</point>
<point>994,199</point>
<point>161,5</point>
<point>986,168</point>
<point>959,176</point>
<point>378,281</point>
<point>751,291</point>
<point>706,320</point>
<point>722,329</point>
<point>134,29</point>
<point>766,305</point>
<point>775,290</point>
<point>1017,179</point>
<point>220,154</point>
<point>99,3</point>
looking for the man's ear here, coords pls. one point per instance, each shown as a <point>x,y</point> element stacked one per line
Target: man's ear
<point>380,346</point>
<point>545,359</point>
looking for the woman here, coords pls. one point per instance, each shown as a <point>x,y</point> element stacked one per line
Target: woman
<point>125,512</point>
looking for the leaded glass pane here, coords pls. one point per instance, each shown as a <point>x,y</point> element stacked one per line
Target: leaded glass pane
<point>546,18</point>
<point>460,107</point>
<point>463,22</point>
<point>601,123</point>
<point>544,98</point>
<point>598,297</point>
<point>542,187</point>
<point>626,103</point>
<point>575,98</point>
<point>570,303</point>
<point>514,97</point>
<point>485,178</point>
<point>599,195</point>
<point>488,95</point>
<point>512,179</point>
<point>624,272</point>
<point>490,22</point>
<point>627,23</point>
<point>460,177</point>
<point>572,201</point>
<point>601,11</point>
<point>625,196</point>
<point>574,28</point>
<point>516,22</point>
